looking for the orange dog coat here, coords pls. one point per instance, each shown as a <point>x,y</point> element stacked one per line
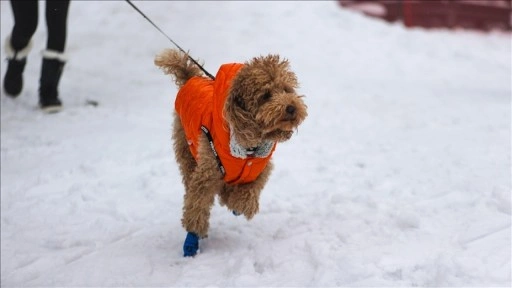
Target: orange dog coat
<point>200,104</point>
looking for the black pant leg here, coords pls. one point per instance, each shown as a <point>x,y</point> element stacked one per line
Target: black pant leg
<point>25,22</point>
<point>56,20</point>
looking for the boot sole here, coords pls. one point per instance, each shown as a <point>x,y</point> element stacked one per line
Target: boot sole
<point>51,109</point>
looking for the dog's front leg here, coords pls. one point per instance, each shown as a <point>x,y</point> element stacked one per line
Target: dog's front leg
<point>245,198</point>
<point>205,182</point>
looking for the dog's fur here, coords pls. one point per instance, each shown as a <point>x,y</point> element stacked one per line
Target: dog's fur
<point>256,110</point>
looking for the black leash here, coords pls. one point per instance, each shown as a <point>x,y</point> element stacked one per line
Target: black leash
<point>192,59</point>
<point>210,140</point>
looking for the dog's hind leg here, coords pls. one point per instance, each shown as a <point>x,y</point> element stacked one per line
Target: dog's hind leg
<point>186,161</point>
<point>205,183</point>
<point>187,165</point>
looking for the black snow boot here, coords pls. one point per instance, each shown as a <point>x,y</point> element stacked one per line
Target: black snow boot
<point>13,80</point>
<point>51,71</point>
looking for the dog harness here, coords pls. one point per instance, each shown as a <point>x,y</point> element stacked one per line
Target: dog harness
<point>200,104</point>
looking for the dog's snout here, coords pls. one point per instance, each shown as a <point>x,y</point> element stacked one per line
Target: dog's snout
<point>290,109</point>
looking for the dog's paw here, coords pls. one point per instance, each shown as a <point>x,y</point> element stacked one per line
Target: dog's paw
<point>249,212</point>
<point>246,209</point>
<point>244,202</point>
<point>191,245</point>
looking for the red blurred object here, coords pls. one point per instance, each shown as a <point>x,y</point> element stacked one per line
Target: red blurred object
<point>469,14</point>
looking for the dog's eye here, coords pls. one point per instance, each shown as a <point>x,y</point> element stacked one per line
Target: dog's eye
<point>266,96</point>
<point>240,102</point>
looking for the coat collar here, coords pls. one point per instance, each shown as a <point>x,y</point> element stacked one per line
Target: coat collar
<point>260,151</point>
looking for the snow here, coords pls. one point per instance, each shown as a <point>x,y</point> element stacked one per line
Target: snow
<point>400,175</point>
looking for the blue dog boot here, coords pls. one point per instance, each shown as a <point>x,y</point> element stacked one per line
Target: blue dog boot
<point>191,245</point>
<point>236,213</point>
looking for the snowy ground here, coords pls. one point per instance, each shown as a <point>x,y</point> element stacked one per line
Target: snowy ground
<point>400,176</point>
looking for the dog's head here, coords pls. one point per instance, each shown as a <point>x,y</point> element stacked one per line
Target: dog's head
<point>262,104</point>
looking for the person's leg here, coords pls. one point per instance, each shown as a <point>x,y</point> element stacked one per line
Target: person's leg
<point>56,21</point>
<point>53,57</point>
<point>25,23</point>
<point>19,44</point>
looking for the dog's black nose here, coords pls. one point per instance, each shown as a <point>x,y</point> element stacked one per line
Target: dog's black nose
<point>290,109</point>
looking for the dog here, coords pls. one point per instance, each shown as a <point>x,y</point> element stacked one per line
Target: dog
<point>225,131</point>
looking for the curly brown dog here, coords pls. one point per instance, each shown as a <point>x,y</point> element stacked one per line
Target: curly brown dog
<point>225,131</point>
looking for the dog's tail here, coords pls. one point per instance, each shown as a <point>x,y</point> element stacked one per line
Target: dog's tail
<point>177,64</point>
